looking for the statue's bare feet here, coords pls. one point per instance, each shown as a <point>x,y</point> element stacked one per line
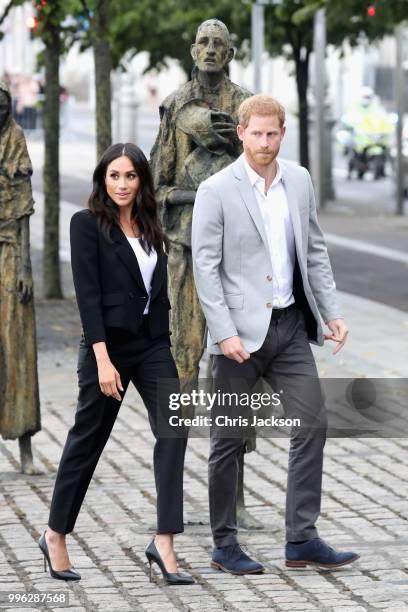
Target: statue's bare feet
<point>28,467</point>
<point>26,457</point>
<point>245,520</point>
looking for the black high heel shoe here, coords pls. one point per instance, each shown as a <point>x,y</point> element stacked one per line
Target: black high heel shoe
<point>68,574</point>
<point>152,554</point>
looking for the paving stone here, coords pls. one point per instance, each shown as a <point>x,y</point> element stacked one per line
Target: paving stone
<point>363,509</point>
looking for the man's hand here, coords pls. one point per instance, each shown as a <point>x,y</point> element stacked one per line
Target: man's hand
<point>233,349</point>
<point>339,333</point>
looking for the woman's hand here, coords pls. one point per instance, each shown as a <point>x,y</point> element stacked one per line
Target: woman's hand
<point>109,379</point>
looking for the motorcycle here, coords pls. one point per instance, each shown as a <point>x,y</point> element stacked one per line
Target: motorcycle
<point>370,155</point>
<point>366,144</point>
<point>365,151</point>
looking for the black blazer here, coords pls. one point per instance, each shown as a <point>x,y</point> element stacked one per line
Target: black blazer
<point>108,283</point>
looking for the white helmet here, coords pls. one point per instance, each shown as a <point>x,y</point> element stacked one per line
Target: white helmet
<point>366,96</point>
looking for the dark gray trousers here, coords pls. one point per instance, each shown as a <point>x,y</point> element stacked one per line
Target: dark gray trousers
<point>286,362</point>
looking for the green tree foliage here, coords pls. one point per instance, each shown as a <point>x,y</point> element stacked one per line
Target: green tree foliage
<point>50,16</point>
<point>289,32</point>
<point>59,24</point>
<point>92,20</point>
<point>166,28</point>
<point>348,20</point>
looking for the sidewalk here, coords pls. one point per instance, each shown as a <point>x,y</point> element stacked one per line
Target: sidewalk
<point>364,505</point>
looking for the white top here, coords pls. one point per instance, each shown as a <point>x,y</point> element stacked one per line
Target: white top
<point>279,231</point>
<point>147,264</point>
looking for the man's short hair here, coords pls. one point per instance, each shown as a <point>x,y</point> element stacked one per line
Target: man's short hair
<point>260,105</point>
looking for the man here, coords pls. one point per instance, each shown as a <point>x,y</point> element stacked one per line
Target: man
<point>263,275</point>
<point>197,138</point>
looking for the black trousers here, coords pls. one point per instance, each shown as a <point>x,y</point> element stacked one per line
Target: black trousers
<point>143,361</point>
<point>286,362</point>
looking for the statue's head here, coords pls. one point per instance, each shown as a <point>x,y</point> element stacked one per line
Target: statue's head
<point>212,49</point>
<point>5,104</point>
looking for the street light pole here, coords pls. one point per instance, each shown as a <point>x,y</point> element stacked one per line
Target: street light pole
<point>319,43</point>
<point>399,105</point>
<point>257,34</point>
<point>258,39</point>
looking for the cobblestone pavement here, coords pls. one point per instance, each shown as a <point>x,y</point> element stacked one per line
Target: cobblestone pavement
<point>364,504</point>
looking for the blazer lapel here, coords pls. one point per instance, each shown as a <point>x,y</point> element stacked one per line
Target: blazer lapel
<point>158,275</point>
<point>127,255</point>
<point>293,205</point>
<point>247,193</point>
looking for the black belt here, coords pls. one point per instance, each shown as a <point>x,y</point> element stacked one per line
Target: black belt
<point>278,312</point>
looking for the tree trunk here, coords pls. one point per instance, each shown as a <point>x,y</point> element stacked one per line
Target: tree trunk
<point>103,67</point>
<point>302,79</point>
<point>51,267</point>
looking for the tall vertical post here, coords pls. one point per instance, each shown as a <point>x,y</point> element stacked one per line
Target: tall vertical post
<point>399,105</point>
<point>319,43</point>
<point>257,42</point>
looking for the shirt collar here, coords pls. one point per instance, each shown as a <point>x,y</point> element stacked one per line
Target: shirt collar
<point>254,177</point>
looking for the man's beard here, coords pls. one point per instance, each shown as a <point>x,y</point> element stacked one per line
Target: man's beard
<point>264,158</point>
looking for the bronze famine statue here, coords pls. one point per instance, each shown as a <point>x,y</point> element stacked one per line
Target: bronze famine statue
<point>19,397</point>
<point>197,137</point>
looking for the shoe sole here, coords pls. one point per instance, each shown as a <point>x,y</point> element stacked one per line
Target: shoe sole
<point>220,567</point>
<point>327,566</point>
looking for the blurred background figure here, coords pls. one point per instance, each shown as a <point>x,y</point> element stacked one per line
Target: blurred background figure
<point>27,94</point>
<point>365,136</point>
<point>66,109</point>
<point>7,80</point>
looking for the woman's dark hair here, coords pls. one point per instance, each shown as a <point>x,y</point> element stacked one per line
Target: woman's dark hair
<point>145,210</point>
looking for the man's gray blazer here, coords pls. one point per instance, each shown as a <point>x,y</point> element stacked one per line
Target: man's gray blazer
<point>232,265</point>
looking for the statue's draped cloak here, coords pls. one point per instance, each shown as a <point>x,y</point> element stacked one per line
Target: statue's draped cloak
<point>19,397</point>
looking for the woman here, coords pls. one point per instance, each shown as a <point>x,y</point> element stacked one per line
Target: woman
<point>120,278</point>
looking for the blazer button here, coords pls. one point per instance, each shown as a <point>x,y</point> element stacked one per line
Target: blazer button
<point>131,295</point>
<point>269,305</point>
<point>269,278</point>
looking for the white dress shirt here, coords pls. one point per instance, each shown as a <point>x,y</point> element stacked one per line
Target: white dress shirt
<point>147,264</point>
<point>279,231</point>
